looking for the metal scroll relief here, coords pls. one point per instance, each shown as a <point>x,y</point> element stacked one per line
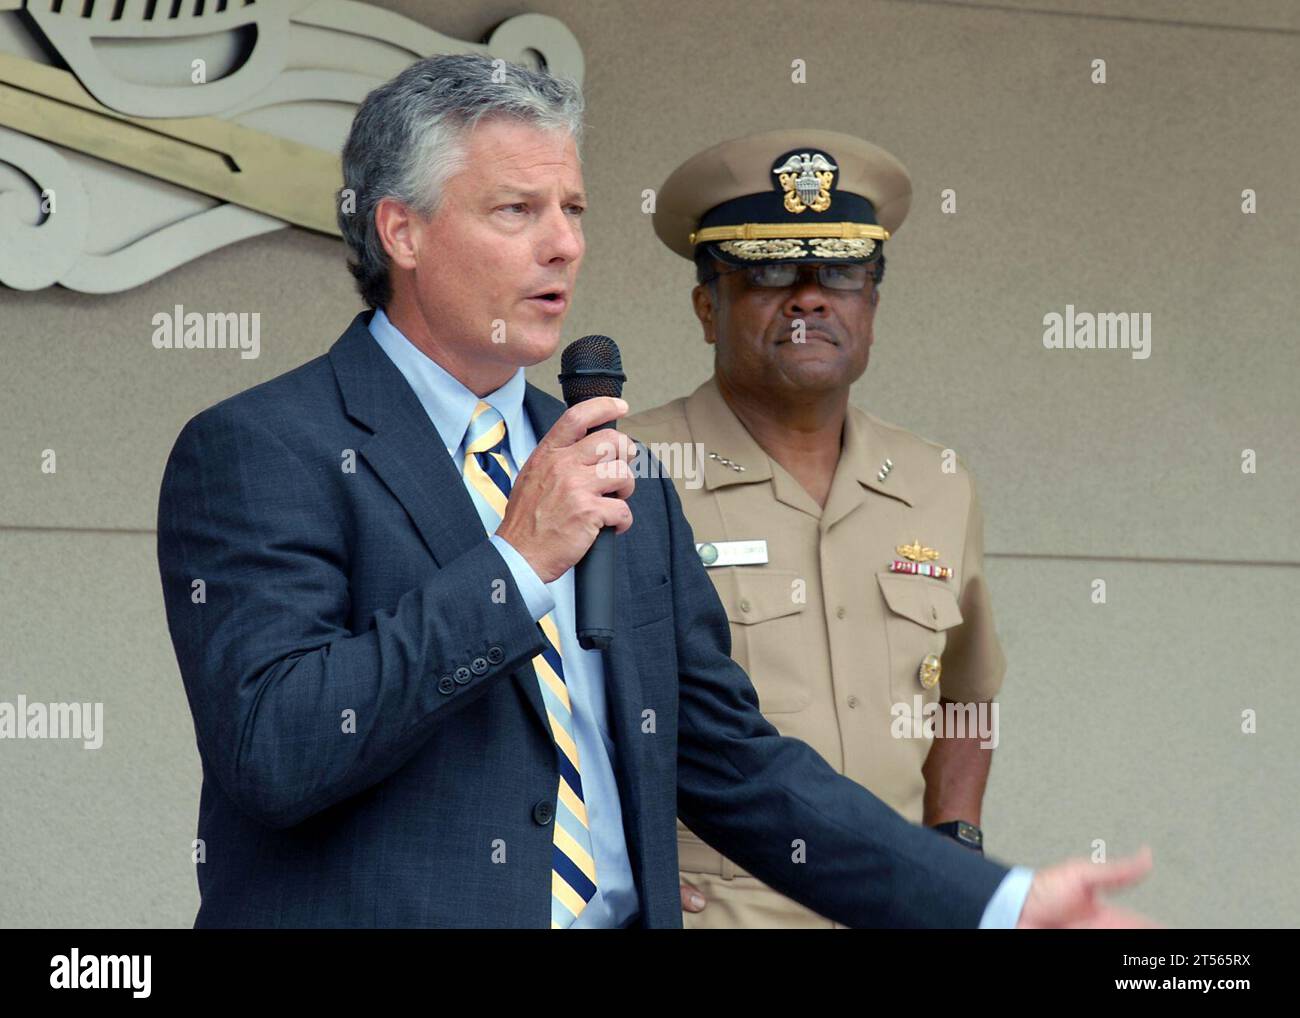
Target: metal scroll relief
<point>181,126</point>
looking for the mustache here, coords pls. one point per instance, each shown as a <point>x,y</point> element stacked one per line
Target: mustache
<point>796,333</point>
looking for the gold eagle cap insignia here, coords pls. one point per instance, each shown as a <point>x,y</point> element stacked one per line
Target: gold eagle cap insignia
<point>806,179</point>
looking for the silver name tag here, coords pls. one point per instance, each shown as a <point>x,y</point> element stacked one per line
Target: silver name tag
<point>732,553</point>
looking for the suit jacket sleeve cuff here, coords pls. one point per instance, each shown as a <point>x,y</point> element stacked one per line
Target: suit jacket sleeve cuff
<point>537,596</point>
<point>1003,910</point>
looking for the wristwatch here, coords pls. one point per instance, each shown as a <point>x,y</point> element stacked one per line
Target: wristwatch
<point>963,833</point>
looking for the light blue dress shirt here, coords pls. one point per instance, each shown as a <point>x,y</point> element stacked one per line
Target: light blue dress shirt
<point>450,405</point>
<point>1003,910</point>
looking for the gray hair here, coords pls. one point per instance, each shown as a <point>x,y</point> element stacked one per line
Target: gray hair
<point>409,137</point>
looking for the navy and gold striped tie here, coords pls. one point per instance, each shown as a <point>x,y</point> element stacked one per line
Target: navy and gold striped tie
<point>573,866</point>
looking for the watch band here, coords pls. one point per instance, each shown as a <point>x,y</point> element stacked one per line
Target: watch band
<point>963,833</point>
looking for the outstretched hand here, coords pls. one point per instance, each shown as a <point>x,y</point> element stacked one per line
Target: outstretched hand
<point>1068,895</point>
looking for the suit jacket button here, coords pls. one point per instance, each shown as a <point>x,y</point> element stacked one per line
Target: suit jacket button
<point>495,655</point>
<point>479,665</point>
<point>544,812</point>
<point>446,685</point>
<point>462,675</point>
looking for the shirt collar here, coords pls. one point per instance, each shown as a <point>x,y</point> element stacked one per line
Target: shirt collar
<point>718,429</point>
<point>864,449</point>
<point>446,400</point>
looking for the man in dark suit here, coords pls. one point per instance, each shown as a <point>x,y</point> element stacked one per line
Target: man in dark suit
<point>367,565</point>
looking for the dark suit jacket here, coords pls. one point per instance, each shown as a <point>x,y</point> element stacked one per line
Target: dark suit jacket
<point>346,575</point>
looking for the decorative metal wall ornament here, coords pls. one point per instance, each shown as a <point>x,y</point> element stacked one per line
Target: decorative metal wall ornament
<point>184,126</point>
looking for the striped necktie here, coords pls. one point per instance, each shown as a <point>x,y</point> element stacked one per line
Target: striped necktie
<point>573,866</point>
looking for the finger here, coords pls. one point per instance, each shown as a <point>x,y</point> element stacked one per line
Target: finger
<point>615,513</point>
<point>623,486</point>
<point>1121,872</point>
<point>602,447</point>
<point>692,899</point>
<point>613,478</point>
<point>580,418</point>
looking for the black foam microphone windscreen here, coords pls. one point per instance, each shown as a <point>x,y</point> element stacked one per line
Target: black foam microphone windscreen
<point>591,367</point>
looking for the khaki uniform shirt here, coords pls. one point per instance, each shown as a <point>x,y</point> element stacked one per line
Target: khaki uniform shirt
<point>830,637</point>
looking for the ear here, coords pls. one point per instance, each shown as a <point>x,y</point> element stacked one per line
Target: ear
<point>395,225</point>
<point>702,301</point>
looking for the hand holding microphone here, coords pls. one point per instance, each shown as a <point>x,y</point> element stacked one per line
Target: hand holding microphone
<point>569,499</point>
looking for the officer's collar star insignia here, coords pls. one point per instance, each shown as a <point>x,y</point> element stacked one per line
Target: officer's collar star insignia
<point>882,474</point>
<point>726,462</point>
<point>806,178</point>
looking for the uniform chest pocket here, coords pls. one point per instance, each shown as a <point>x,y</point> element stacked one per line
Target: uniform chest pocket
<point>767,633</point>
<point>921,611</point>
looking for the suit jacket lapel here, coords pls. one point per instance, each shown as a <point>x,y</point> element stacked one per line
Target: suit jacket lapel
<point>406,452</point>
<point>404,448</point>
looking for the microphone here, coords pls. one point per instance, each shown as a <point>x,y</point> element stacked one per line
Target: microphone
<point>590,367</point>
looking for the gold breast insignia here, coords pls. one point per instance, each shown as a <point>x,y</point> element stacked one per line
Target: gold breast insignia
<point>917,552</point>
<point>917,559</point>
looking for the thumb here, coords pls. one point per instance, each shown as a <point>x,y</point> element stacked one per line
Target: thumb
<point>692,899</point>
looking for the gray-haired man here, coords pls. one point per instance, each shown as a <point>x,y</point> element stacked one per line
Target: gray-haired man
<point>396,722</point>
